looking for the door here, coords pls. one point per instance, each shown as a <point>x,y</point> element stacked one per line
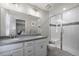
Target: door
<point>55,26</point>
<point>28,51</point>
<point>7,53</point>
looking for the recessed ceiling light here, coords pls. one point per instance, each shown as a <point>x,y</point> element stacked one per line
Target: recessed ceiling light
<point>64,8</point>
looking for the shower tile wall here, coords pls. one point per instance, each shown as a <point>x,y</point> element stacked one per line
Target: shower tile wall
<point>71,32</point>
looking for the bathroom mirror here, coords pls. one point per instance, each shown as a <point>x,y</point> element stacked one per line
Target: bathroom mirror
<point>14,23</point>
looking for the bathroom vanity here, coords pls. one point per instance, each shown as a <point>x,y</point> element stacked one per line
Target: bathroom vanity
<point>27,43</point>
<point>24,46</point>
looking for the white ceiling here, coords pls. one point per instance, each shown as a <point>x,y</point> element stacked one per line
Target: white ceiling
<point>44,6</point>
<point>51,6</point>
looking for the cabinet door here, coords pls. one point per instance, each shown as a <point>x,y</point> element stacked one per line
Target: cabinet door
<point>8,53</point>
<point>10,47</point>
<point>41,48</point>
<point>8,25</point>
<point>12,26</point>
<point>28,51</point>
<point>17,52</point>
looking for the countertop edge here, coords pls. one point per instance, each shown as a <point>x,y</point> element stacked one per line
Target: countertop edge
<point>2,44</point>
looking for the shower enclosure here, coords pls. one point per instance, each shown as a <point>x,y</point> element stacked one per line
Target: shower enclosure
<point>56,31</point>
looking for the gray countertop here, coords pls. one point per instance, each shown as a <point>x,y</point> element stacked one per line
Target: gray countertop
<point>20,39</point>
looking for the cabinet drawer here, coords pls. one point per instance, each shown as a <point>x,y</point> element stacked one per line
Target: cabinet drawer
<point>28,51</point>
<point>41,41</point>
<point>17,52</point>
<point>8,53</point>
<point>10,47</point>
<point>27,44</point>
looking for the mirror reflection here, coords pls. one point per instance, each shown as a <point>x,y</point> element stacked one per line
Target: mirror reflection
<point>14,23</point>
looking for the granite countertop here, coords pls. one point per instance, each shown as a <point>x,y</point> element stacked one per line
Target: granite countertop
<point>20,39</point>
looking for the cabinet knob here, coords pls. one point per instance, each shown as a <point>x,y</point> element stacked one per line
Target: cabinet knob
<point>41,46</point>
<point>29,51</point>
<point>11,55</point>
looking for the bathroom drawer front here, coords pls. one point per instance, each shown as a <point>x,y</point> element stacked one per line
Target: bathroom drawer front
<point>10,47</point>
<point>17,52</point>
<point>7,53</point>
<point>27,44</point>
<point>28,51</point>
<point>41,41</point>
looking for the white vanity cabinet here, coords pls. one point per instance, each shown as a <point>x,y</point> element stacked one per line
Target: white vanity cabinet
<point>17,52</point>
<point>40,47</point>
<point>35,48</point>
<point>29,48</point>
<point>7,53</point>
<point>12,49</point>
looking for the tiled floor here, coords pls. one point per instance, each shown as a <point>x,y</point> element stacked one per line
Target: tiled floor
<point>53,51</point>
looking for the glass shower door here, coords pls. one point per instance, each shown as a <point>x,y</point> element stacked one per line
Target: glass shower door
<point>56,30</point>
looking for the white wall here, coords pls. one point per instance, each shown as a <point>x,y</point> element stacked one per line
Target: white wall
<point>58,8</point>
<point>0,22</point>
<point>71,39</point>
<point>71,33</point>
